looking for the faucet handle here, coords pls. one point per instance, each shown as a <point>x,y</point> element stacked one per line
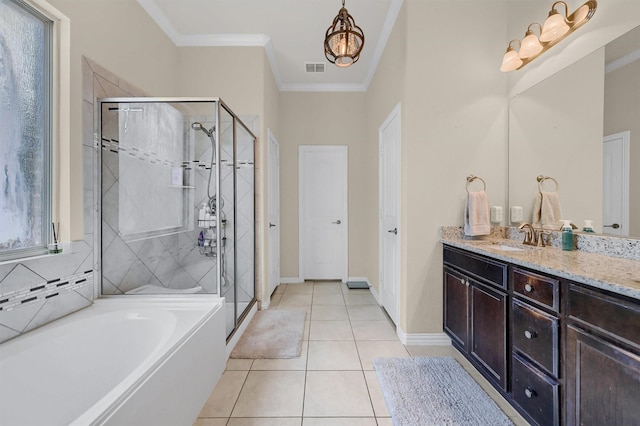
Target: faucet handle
<point>540,238</point>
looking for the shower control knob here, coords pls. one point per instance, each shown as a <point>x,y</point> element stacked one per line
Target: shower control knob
<point>271,225</point>
<point>337,222</point>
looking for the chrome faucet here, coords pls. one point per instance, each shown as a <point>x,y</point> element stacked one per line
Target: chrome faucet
<point>530,235</point>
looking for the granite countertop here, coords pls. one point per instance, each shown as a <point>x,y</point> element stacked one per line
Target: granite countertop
<point>619,275</point>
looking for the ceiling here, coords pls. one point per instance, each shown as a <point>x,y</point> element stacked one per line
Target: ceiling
<point>291,31</point>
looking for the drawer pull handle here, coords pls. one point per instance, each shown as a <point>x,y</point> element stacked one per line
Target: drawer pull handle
<point>530,393</point>
<point>528,288</point>
<point>530,334</point>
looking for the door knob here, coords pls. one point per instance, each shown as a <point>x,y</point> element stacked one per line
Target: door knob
<point>614,226</point>
<point>337,222</point>
<point>271,225</point>
<point>393,231</point>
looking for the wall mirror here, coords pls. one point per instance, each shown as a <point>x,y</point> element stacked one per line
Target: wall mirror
<point>558,128</point>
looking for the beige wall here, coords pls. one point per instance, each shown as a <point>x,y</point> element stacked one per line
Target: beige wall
<point>271,122</point>
<point>454,124</point>
<point>622,113</point>
<point>322,119</point>
<point>386,90</point>
<point>120,36</point>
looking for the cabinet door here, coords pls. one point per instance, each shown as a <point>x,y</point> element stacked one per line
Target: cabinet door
<point>489,331</point>
<point>603,381</point>
<point>456,307</point>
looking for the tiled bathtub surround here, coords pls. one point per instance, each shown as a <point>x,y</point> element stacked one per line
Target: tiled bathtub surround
<point>601,270</point>
<point>36,291</point>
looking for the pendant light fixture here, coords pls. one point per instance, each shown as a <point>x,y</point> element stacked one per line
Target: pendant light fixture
<point>556,28</point>
<point>343,40</point>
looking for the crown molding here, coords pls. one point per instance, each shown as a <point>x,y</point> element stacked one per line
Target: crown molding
<point>262,40</point>
<point>323,87</point>
<point>385,33</point>
<point>621,62</point>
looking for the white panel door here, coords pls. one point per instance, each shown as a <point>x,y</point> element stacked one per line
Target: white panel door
<point>389,140</point>
<point>615,184</point>
<point>274,214</point>
<point>323,212</point>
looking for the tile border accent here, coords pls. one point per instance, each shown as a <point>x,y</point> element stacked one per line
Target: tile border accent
<point>45,290</point>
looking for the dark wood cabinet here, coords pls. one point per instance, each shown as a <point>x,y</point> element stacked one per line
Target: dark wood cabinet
<point>456,307</point>
<point>562,353</point>
<point>535,338</point>
<point>603,359</point>
<point>489,331</point>
<point>475,308</point>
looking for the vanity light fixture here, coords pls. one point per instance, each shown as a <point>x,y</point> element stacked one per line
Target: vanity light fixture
<point>343,40</point>
<point>511,61</point>
<point>555,29</point>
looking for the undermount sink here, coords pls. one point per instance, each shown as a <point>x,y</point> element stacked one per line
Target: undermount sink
<point>507,248</point>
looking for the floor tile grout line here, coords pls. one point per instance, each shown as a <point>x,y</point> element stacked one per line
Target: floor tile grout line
<point>244,382</point>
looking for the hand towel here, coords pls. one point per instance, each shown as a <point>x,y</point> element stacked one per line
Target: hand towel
<point>546,211</point>
<point>476,215</point>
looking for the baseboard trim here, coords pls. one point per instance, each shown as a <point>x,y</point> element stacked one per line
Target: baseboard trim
<point>423,339</point>
<point>290,280</point>
<point>375,294</point>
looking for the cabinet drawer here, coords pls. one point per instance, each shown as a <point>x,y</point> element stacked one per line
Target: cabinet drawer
<point>478,267</point>
<point>535,334</point>
<point>538,288</point>
<point>535,393</point>
<point>612,316</point>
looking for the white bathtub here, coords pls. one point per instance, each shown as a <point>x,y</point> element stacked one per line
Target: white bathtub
<point>125,360</point>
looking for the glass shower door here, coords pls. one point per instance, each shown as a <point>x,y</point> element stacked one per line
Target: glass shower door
<point>227,217</point>
<point>245,234</point>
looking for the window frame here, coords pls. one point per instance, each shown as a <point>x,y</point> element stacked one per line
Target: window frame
<point>57,173</point>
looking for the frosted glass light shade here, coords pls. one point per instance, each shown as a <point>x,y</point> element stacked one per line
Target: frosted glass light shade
<point>511,61</point>
<point>554,27</point>
<point>346,47</point>
<point>530,45</point>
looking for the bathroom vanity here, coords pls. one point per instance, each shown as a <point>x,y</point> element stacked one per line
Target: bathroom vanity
<point>556,333</point>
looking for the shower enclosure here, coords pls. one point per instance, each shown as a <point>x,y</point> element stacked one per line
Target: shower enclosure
<point>177,200</point>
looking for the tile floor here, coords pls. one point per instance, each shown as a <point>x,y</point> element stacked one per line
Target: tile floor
<point>333,382</point>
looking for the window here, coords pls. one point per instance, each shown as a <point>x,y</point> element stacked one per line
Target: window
<point>25,130</point>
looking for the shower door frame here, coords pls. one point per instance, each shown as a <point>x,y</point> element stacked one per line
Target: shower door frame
<point>217,102</point>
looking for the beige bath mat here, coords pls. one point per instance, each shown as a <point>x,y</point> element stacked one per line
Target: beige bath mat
<point>272,334</point>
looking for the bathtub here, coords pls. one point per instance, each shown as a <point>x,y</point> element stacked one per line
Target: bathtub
<point>125,360</point>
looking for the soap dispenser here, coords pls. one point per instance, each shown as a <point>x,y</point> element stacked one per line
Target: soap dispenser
<point>588,226</point>
<point>567,235</point>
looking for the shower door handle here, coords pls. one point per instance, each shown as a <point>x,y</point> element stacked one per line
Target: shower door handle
<point>337,222</point>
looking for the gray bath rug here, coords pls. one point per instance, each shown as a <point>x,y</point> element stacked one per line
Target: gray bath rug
<point>272,334</point>
<point>424,391</point>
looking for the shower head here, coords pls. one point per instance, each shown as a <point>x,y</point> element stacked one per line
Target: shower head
<point>198,126</point>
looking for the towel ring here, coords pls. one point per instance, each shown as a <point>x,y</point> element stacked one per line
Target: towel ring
<point>471,178</point>
<point>542,178</point>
